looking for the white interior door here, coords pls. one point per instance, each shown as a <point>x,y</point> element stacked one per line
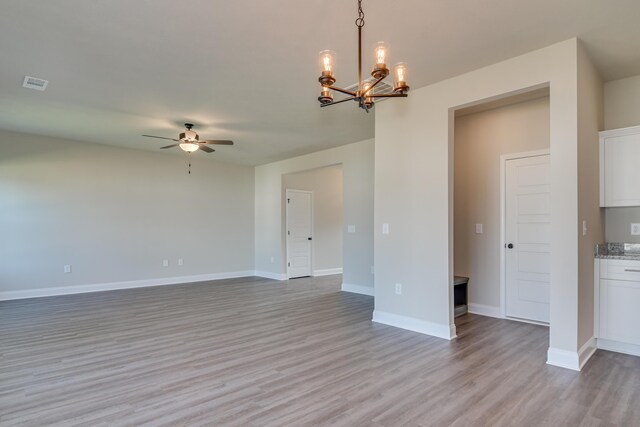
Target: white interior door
<point>299,232</point>
<point>528,238</point>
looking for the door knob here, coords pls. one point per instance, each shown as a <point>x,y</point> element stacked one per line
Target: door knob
<point>510,245</point>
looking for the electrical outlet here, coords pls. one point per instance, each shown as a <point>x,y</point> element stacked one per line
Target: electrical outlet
<point>385,228</point>
<point>398,289</point>
<point>351,229</point>
<point>165,263</point>
<point>67,268</point>
<point>635,229</point>
<point>478,228</point>
<point>180,262</point>
<point>584,228</point>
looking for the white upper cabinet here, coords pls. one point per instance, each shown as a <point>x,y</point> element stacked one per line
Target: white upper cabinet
<point>620,167</point>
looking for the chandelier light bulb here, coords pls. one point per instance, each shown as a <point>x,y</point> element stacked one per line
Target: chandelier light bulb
<point>381,54</point>
<point>400,78</point>
<point>327,58</point>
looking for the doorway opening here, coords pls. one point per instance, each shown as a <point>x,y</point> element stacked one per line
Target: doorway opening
<point>499,195</point>
<point>313,222</point>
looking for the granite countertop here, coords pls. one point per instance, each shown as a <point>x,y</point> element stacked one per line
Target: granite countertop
<point>627,251</point>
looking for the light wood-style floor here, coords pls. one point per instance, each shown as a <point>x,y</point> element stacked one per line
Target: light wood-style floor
<point>255,352</point>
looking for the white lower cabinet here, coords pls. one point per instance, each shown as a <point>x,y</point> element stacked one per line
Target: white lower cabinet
<point>618,306</point>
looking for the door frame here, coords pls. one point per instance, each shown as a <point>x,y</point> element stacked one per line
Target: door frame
<point>286,235</point>
<point>503,225</point>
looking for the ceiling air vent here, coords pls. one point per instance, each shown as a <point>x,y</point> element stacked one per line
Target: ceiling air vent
<point>382,87</point>
<point>34,83</point>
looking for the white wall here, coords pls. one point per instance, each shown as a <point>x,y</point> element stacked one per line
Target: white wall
<point>114,214</point>
<point>357,167</point>
<point>414,193</point>
<point>590,122</point>
<point>480,139</point>
<point>622,109</point>
<point>326,185</point>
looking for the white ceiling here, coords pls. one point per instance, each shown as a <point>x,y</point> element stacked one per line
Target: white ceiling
<point>247,70</point>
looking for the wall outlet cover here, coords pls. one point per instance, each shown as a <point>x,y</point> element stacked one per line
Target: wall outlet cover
<point>165,263</point>
<point>385,228</point>
<point>635,229</point>
<point>398,289</point>
<point>478,228</point>
<point>351,229</point>
<point>67,268</point>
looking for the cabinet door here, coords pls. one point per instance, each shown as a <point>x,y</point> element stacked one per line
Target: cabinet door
<point>619,314</point>
<point>622,170</point>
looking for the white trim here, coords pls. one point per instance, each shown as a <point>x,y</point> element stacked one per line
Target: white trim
<point>286,236</point>
<point>503,220</point>
<point>485,310</point>
<point>358,289</point>
<point>327,272</point>
<point>574,360</point>
<point>586,351</point>
<point>270,275</point>
<point>563,358</point>
<point>447,332</point>
<point>99,287</point>
<point>619,347</point>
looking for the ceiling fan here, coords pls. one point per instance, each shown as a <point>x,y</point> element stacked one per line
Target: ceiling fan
<point>189,141</point>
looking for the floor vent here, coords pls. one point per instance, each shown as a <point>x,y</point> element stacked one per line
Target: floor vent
<point>34,83</point>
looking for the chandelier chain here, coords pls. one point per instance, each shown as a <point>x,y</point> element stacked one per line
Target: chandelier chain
<point>360,20</point>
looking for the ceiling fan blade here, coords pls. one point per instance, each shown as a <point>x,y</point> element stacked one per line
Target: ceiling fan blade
<point>161,137</point>
<point>169,146</point>
<point>206,149</point>
<point>218,141</point>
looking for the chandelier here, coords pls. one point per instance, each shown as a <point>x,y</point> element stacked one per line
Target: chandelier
<point>364,95</point>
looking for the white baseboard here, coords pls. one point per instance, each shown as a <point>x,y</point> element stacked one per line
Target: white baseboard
<point>358,289</point>
<point>588,349</point>
<point>270,275</point>
<point>447,332</point>
<point>327,272</point>
<point>563,358</point>
<point>485,310</point>
<point>619,347</point>
<point>99,287</point>
<point>574,360</point>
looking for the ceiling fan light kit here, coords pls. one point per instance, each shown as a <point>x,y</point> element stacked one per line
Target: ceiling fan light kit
<point>365,93</point>
<point>189,141</point>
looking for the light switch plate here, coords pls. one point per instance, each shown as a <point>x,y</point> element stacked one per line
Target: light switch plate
<point>478,228</point>
<point>635,229</point>
<point>165,263</point>
<point>584,228</point>
<point>351,229</point>
<point>385,228</point>
<point>67,268</point>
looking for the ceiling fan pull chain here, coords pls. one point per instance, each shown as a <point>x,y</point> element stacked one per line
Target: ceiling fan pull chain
<point>189,163</point>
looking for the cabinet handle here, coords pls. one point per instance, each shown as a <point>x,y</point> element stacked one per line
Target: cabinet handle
<point>631,270</point>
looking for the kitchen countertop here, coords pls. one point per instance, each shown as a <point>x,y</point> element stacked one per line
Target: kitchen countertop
<point>625,251</point>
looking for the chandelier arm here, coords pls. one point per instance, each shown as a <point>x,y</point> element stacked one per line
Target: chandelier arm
<point>337,89</point>
<point>373,85</point>
<point>388,95</point>
<point>338,102</point>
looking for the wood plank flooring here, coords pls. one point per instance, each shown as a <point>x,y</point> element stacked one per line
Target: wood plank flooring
<point>256,352</point>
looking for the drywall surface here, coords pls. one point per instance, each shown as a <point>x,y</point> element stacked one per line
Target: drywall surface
<point>590,122</point>
<point>414,188</point>
<point>622,103</point>
<point>480,140</point>
<point>357,162</point>
<point>622,109</point>
<point>326,185</point>
<point>115,214</point>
